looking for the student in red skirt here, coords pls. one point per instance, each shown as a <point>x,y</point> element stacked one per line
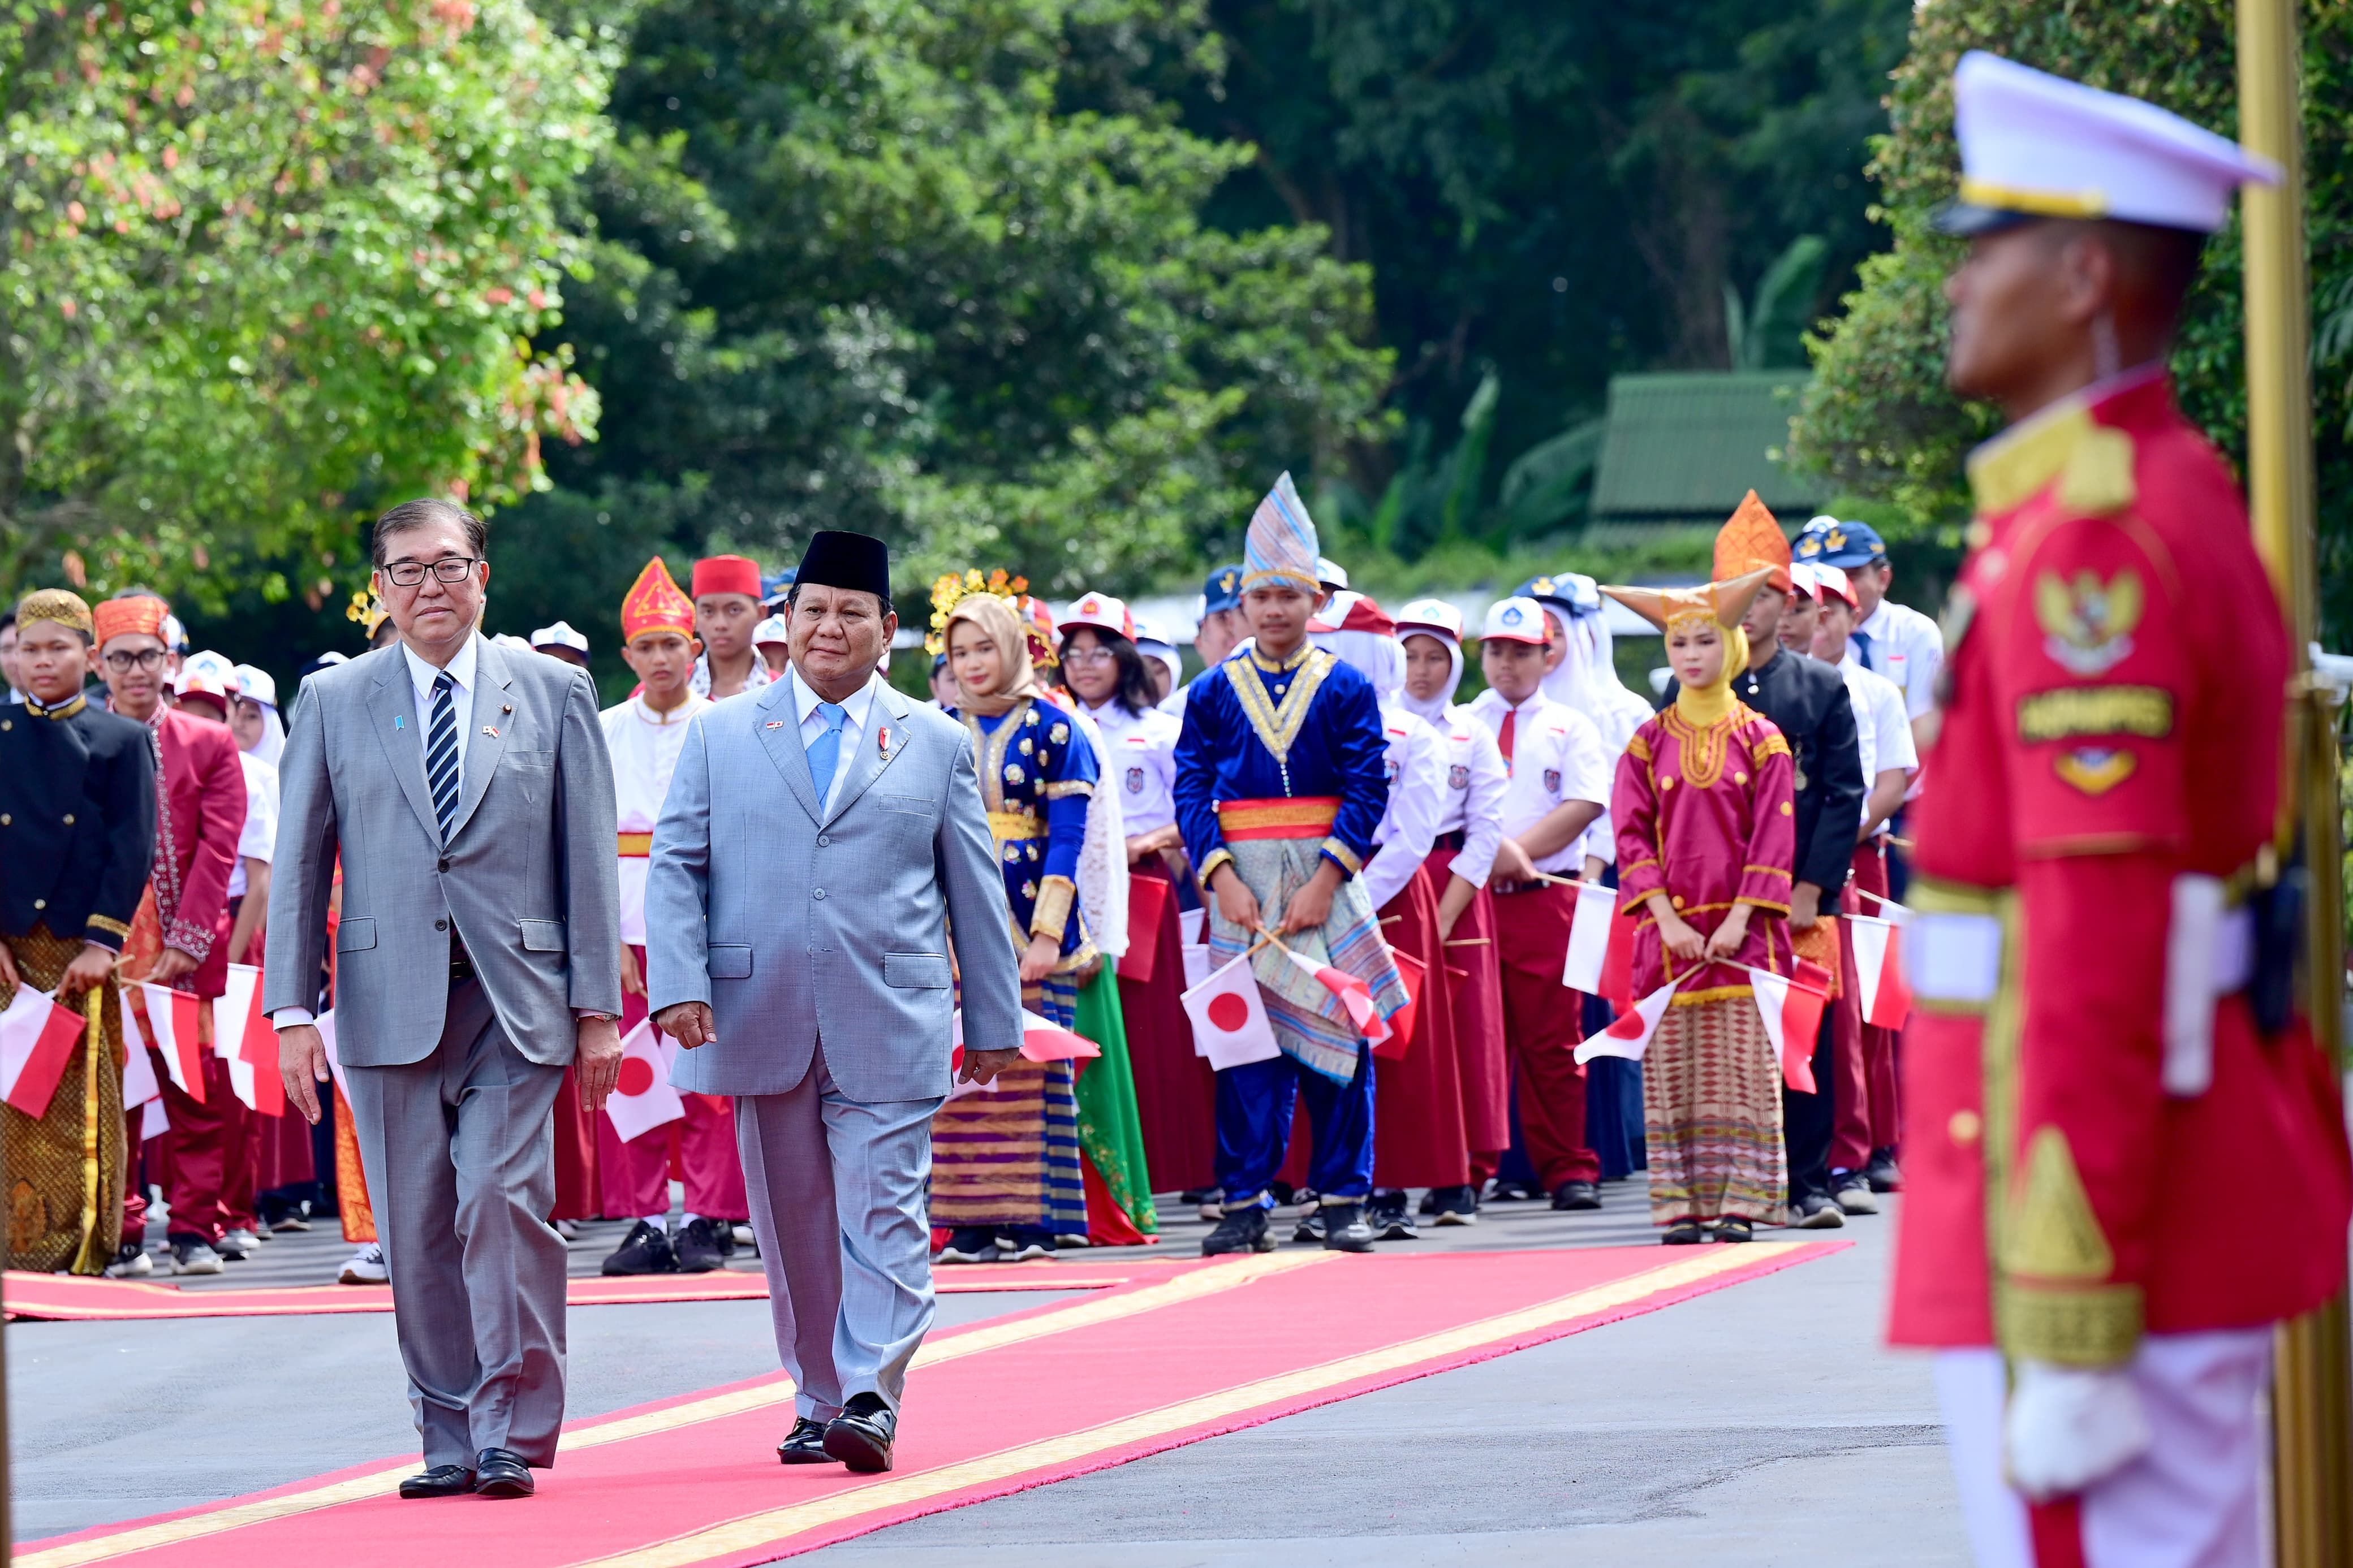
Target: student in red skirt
<point>1469,830</point>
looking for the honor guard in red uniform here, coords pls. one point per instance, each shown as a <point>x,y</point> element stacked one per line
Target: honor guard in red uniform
<point>2097,955</point>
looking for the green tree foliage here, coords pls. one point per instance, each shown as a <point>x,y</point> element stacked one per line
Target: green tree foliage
<point>1877,419</point>
<point>934,270</point>
<point>264,263</point>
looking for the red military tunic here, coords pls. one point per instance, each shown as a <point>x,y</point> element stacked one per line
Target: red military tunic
<point>2117,669</point>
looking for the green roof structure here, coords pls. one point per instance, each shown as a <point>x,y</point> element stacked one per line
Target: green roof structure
<point>1685,446</point>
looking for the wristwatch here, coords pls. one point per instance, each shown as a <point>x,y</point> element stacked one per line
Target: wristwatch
<point>600,1018</point>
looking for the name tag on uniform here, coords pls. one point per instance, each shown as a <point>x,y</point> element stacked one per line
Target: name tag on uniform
<point>1953,957</point>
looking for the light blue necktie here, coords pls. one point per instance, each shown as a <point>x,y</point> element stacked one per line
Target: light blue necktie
<point>825,752</point>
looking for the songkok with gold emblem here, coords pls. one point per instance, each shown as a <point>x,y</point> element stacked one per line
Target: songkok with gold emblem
<point>654,603</point>
<point>2035,145</point>
<point>62,606</point>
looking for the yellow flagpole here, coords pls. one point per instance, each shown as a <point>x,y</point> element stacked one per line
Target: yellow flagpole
<point>2312,1399</point>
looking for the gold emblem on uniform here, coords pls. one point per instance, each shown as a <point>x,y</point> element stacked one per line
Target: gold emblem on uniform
<point>2087,623</point>
<point>2069,710</point>
<point>1058,733</point>
<point>2095,770</point>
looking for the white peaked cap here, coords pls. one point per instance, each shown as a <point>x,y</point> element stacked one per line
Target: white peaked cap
<point>560,634</point>
<point>2037,145</point>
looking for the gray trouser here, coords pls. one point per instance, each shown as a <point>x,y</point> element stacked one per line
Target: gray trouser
<point>836,1190</point>
<point>460,1158</point>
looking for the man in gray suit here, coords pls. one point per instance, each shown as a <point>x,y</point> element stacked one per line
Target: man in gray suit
<point>467,792</point>
<point>820,835</point>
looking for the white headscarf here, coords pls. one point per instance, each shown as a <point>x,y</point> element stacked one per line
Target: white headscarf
<point>1433,711</point>
<point>251,682</point>
<point>1566,683</point>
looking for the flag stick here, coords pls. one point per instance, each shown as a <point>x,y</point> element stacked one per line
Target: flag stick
<point>2312,1393</point>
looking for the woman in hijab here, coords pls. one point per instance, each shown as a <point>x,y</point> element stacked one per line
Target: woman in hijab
<point>1470,827</point>
<point>1706,838</point>
<point>1006,1160</point>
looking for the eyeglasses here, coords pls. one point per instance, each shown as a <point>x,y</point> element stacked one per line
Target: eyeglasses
<point>1090,656</point>
<point>450,569</point>
<point>124,663</point>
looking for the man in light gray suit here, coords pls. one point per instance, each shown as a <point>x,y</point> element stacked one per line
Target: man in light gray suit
<point>468,790</point>
<point>820,835</point>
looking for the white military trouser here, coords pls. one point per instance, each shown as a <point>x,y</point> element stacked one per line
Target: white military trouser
<point>2193,1499</point>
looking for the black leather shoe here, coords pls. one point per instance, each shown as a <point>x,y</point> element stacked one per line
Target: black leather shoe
<point>440,1481</point>
<point>697,1248</point>
<point>803,1445</point>
<point>861,1437</point>
<point>500,1472</point>
<point>644,1250</point>
<point>1577,1195</point>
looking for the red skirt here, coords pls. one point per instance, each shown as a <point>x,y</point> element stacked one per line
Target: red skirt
<point>1475,988</point>
<point>1175,1093</point>
<point>1418,1131</point>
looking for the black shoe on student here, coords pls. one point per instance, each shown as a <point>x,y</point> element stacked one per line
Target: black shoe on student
<point>969,1244</point>
<point>1283,1193</point>
<point>644,1250</point>
<point>1515,1192</point>
<point>722,1231</point>
<point>697,1248</point>
<point>1851,1190</point>
<point>1577,1195</point>
<point>1344,1226</point>
<point>1242,1230</point>
<point>803,1445</point>
<point>1310,1229</point>
<point>1390,1219</point>
<point>862,1436</point>
<point>1452,1205</point>
<point>1882,1173</point>
<point>1815,1211</point>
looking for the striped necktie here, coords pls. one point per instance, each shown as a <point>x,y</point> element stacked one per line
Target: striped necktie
<point>441,753</point>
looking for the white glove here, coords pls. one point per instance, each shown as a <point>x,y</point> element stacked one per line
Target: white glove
<point>2067,1427</point>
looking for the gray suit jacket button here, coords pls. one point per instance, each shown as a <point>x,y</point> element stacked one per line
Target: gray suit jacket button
<point>822,841</point>
<point>441,925</point>
<point>817,892</point>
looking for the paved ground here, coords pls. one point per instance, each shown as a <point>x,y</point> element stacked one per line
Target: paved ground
<point>1759,1425</point>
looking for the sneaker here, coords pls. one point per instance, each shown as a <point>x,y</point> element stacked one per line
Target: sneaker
<point>1244,1230</point>
<point>1026,1244</point>
<point>364,1267</point>
<point>1815,1212</point>
<point>644,1250</point>
<point>238,1244</point>
<point>1452,1205</point>
<point>292,1219</point>
<point>1310,1231</point>
<point>722,1231</point>
<point>1515,1192</point>
<point>971,1243</point>
<point>130,1262</point>
<point>1390,1219</point>
<point>189,1257</point>
<point>263,1229</point>
<point>1281,1192</point>
<point>1575,1196</point>
<point>697,1247</point>
<point>744,1236</point>
<point>1882,1173</point>
<point>1307,1199</point>
<point>1343,1228</point>
<point>1851,1190</point>
<point>1429,1204</point>
<point>568,1229</point>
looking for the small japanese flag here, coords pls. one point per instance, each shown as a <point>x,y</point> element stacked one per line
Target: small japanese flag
<point>172,1019</point>
<point>1355,995</point>
<point>1878,965</point>
<point>1792,1012</point>
<point>643,1098</point>
<point>1629,1036</point>
<point>1230,1023</point>
<point>36,1038</point>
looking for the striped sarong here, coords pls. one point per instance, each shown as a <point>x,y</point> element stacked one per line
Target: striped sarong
<point>1309,1025</point>
<point>1712,1116</point>
<point>1010,1154</point>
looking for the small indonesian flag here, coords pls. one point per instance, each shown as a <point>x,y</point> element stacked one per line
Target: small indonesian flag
<point>643,1098</point>
<point>1413,975</point>
<point>172,1019</point>
<point>1792,1012</point>
<point>1230,1023</point>
<point>233,1013</point>
<point>1354,994</point>
<point>1043,1041</point>
<point>1629,1036</point>
<point>36,1038</point>
<point>1879,969</point>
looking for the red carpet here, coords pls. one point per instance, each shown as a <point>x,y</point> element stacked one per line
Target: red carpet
<point>992,1408</point>
<point>65,1297</point>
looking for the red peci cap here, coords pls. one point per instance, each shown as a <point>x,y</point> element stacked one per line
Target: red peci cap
<point>727,574</point>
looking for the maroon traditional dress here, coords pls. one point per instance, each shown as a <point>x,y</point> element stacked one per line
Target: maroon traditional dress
<point>1704,813</point>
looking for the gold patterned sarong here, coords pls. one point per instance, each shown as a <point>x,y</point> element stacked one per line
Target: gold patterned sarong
<point>64,1171</point>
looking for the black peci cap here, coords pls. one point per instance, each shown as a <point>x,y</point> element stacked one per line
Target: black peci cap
<point>857,562</point>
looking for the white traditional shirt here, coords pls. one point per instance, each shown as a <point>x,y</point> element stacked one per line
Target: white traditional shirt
<point>1416,764</point>
<point>1900,643</point>
<point>1882,730</point>
<point>699,681</point>
<point>1138,764</point>
<point>644,746</point>
<point>1557,757</point>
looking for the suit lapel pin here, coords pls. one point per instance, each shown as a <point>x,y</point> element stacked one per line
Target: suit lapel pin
<point>397,723</point>
<point>773,724</point>
<point>883,739</point>
<point>491,731</point>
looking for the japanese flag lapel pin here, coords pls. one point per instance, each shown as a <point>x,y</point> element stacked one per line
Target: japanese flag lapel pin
<point>773,724</point>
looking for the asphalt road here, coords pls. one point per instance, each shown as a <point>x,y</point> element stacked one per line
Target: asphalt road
<point>1758,1424</point>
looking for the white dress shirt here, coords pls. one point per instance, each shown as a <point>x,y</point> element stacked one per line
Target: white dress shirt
<point>1557,757</point>
<point>260,819</point>
<point>1882,730</point>
<point>1907,648</point>
<point>1415,763</point>
<point>422,675</point>
<point>1139,762</point>
<point>805,702</point>
<point>1475,781</point>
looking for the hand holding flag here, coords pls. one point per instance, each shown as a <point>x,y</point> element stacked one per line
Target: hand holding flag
<point>1792,1014</point>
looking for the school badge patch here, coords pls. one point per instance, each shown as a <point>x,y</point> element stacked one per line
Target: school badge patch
<point>1136,781</point>
<point>1458,777</point>
<point>1552,780</point>
<point>2094,770</point>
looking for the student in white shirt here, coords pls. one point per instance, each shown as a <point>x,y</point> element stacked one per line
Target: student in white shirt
<point>1891,639</point>
<point>1559,784</point>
